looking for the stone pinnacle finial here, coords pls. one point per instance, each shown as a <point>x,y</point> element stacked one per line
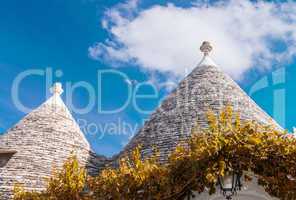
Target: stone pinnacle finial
<point>206,48</point>
<point>57,89</point>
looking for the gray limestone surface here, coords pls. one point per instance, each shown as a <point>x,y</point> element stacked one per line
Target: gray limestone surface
<point>47,136</point>
<point>205,88</point>
<point>43,139</point>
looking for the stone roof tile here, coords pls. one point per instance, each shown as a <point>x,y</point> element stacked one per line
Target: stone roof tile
<point>205,88</point>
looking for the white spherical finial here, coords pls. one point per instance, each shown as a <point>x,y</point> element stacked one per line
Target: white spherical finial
<point>206,48</point>
<point>57,89</point>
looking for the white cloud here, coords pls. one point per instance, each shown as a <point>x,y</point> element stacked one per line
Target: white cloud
<point>167,38</point>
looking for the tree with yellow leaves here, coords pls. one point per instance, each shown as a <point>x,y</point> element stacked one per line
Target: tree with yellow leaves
<point>66,184</point>
<point>227,144</point>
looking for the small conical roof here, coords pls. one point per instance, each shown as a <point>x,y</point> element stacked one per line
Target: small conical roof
<point>44,138</point>
<point>53,120</point>
<point>205,88</point>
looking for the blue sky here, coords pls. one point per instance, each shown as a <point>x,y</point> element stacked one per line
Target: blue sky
<point>80,37</point>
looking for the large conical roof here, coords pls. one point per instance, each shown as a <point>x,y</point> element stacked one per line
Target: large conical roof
<point>205,88</point>
<point>44,138</point>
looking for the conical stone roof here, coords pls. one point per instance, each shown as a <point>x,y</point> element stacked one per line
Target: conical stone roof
<point>205,88</point>
<point>44,138</point>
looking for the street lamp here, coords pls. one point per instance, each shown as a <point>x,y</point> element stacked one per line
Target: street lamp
<point>230,183</point>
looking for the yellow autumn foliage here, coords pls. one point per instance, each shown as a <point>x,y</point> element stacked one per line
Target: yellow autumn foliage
<point>228,143</point>
<point>65,184</point>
